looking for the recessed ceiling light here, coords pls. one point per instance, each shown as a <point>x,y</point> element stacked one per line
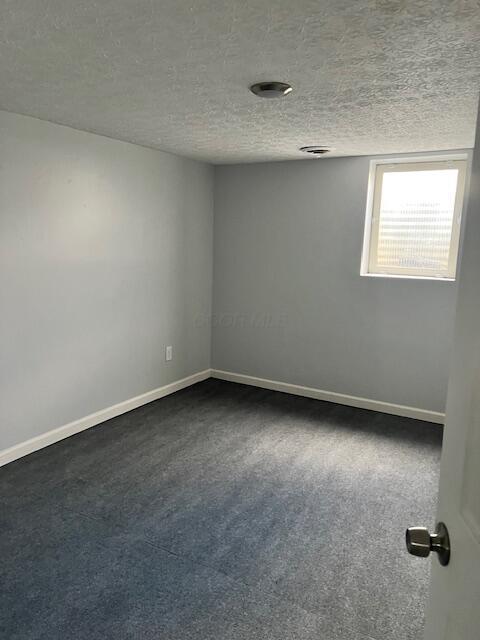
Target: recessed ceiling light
<point>316,150</point>
<point>271,89</point>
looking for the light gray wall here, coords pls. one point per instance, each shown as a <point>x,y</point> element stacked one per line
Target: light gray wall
<point>289,302</point>
<point>105,258</point>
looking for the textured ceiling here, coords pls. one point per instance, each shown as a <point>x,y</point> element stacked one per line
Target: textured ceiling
<point>369,76</point>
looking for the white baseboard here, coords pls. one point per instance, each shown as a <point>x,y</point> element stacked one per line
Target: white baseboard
<point>29,446</point>
<point>331,396</point>
<point>50,437</point>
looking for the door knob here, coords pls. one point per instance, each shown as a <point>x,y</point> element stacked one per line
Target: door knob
<point>420,542</point>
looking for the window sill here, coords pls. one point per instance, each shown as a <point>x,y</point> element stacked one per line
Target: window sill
<point>407,277</point>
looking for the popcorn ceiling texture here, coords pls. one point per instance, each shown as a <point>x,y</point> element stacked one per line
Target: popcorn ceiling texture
<point>369,76</point>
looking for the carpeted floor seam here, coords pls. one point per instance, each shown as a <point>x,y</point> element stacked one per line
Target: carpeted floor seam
<point>194,561</point>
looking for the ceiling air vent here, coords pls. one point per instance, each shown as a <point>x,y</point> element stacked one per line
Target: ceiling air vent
<point>316,150</point>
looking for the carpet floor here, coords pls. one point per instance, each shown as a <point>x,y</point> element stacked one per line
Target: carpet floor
<point>221,512</point>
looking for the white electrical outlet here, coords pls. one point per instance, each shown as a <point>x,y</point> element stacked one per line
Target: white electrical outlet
<point>168,353</point>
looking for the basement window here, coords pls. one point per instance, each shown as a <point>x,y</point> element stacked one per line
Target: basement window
<point>413,219</point>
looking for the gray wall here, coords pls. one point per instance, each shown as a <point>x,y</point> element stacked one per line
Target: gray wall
<point>289,303</point>
<point>105,258</point>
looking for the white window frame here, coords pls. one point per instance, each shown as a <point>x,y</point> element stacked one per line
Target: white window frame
<point>370,241</point>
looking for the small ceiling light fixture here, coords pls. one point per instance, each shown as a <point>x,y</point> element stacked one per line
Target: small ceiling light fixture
<point>316,150</point>
<point>271,89</point>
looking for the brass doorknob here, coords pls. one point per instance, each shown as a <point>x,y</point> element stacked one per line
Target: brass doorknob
<point>420,542</point>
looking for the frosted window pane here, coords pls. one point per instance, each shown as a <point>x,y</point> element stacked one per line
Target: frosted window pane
<point>416,216</point>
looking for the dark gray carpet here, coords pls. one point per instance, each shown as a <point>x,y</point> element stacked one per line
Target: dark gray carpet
<point>222,511</point>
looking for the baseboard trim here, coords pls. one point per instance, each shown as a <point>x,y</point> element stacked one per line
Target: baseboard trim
<point>331,396</point>
<point>50,437</point>
<point>55,435</point>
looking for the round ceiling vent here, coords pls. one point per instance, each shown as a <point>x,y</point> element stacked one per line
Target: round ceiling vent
<point>271,89</point>
<point>316,150</point>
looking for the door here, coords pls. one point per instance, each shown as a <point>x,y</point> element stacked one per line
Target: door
<point>453,612</point>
